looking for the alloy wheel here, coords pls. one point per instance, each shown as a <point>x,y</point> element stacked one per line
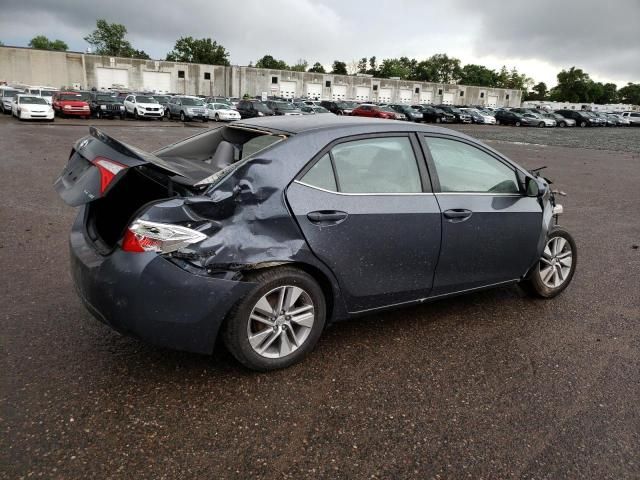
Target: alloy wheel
<point>281,321</point>
<point>555,263</point>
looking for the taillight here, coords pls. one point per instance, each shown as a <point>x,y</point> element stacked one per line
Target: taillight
<point>108,171</point>
<point>144,236</point>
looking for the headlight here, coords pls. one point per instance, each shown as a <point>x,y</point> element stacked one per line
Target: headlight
<point>26,110</point>
<point>260,114</point>
<point>66,107</point>
<point>85,107</point>
<point>121,107</point>
<point>103,107</point>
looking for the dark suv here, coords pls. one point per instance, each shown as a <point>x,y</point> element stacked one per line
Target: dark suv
<point>459,115</point>
<point>339,108</point>
<point>434,114</point>
<point>581,118</point>
<point>253,108</point>
<point>103,105</point>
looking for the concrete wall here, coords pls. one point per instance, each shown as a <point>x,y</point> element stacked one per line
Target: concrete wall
<point>57,69</point>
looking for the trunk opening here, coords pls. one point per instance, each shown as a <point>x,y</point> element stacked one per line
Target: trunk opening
<point>107,218</point>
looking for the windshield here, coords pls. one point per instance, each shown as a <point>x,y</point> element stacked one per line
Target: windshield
<point>192,101</point>
<point>284,106</point>
<point>387,109</point>
<point>219,106</point>
<point>161,98</point>
<point>71,96</point>
<point>9,93</point>
<point>321,110</point>
<point>146,100</point>
<point>47,93</point>
<point>346,105</point>
<point>34,100</point>
<point>106,99</point>
<point>455,110</point>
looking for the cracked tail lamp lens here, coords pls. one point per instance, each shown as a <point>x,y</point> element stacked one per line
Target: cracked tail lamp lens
<point>144,236</point>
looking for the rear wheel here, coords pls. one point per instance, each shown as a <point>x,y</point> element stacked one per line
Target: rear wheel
<point>182,117</point>
<point>562,124</point>
<point>556,266</point>
<point>278,322</point>
<point>583,124</point>
<point>217,118</point>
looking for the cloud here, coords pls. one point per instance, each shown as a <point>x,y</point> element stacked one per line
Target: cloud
<point>539,38</point>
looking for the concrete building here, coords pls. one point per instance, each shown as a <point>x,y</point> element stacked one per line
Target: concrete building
<point>74,69</point>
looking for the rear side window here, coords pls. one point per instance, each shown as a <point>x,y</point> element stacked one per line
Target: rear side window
<point>374,165</point>
<point>321,175</point>
<point>462,168</point>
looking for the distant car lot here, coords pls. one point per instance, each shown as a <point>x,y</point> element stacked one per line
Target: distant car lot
<point>445,390</point>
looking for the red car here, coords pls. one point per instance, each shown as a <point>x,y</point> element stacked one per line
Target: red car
<point>71,103</point>
<point>366,110</point>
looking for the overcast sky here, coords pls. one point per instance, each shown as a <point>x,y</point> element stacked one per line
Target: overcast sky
<point>538,37</point>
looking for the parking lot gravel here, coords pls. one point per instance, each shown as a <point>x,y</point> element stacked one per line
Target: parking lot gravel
<point>489,385</point>
<point>622,139</point>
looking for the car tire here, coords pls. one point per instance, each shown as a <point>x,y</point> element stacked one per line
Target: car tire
<point>561,257</point>
<point>182,117</point>
<point>241,325</point>
<point>562,124</point>
<point>98,114</point>
<point>517,124</point>
<point>438,120</point>
<point>583,124</point>
<point>216,118</point>
<point>541,125</point>
<point>135,114</point>
<point>497,122</point>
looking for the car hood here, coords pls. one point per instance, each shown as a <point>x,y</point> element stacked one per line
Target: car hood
<point>149,105</point>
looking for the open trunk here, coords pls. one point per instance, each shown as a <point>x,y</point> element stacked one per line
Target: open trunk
<point>115,181</point>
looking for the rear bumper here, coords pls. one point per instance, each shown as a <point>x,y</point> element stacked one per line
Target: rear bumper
<point>148,297</point>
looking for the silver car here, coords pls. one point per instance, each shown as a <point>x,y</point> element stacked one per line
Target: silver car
<point>543,121</point>
<point>560,120</point>
<point>6,99</point>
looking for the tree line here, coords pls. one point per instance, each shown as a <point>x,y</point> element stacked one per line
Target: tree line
<point>574,85</point>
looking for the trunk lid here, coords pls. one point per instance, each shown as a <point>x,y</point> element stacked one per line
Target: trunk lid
<point>98,158</point>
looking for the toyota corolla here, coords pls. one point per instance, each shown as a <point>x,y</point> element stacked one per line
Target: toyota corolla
<point>267,230</point>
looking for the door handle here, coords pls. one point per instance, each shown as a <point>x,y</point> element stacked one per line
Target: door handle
<point>322,216</point>
<point>457,214</point>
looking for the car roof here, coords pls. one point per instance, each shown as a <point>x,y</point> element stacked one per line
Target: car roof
<point>339,123</point>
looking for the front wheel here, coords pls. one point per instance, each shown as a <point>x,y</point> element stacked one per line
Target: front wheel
<point>182,117</point>
<point>216,118</point>
<point>541,125</point>
<point>518,124</point>
<point>562,124</point>
<point>583,124</point>
<point>556,266</point>
<point>438,120</point>
<point>278,322</point>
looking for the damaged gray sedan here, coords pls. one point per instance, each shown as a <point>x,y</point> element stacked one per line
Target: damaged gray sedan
<point>267,230</point>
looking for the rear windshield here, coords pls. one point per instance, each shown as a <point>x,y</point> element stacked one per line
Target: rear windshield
<point>9,93</point>
<point>35,100</point>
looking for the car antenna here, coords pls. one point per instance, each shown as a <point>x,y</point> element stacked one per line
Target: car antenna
<point>536,170</point>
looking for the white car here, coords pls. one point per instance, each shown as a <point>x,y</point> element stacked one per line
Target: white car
<point>143,106</point>
<point>221,111</point>
<point>44,92</point>
<point>480,116</point>
<point>632,117</point>
<point>7,94</point>
<point>31,107</point>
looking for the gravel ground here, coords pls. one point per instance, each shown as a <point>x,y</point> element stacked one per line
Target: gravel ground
<point>622,139</point>
<point>490,385</point>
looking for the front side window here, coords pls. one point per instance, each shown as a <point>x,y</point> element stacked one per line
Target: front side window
<point>462,168</point>
<point>374,165</point>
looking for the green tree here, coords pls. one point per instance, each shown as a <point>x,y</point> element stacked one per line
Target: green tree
<point>300,66</point>
<point>396,67</point>
<point>44,43</point>
<point>574,86</point>
<point>317,68</point>
<point>362,65</point>
<point>538,92</point>
<point>373,66</point>
<point>339,68</point>
<point>269,62</point>
<point>630,93</point>
<point>108,39</point>
<point>198,50</point>
<point>479,75</point>
<point>441,68</point>
<point>609,93</point>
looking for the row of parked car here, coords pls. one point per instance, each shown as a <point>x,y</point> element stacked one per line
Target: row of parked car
<point>45,104</point>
